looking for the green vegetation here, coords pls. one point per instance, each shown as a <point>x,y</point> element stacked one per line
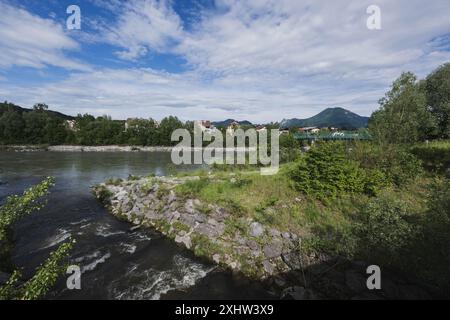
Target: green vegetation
<point>14,208</point>
<point>359,200</point>
<point>414,110</point>
<point>41,126</point>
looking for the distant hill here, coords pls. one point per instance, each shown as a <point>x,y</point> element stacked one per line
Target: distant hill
<point>227,122</point>
<point>10,106</point>
<point>331,117</point>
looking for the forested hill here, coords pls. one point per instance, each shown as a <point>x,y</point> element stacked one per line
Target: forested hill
<point>6,106</point>
<point>331,117</point>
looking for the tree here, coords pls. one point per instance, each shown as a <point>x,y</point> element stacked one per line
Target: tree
<point>437,86</point>
<point>402,116</point>
<point>40,107</point>
<point>11,127</point>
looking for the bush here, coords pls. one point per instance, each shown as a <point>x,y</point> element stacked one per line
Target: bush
<point>435,155</point>
<point>385,227</point>
<point>325,171</point>
<point>397,164</point>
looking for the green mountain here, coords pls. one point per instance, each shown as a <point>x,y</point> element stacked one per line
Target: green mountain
<point>5,106</point>
<point>331,117</point>
<point>227,122</point>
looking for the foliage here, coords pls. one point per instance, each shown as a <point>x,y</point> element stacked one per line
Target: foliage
<point>403,116</point>
<point>325,172</point>
<point>17,207</point>
<point>14,208</point>
<point>42,281</point>
<point>384,225</point>
<point>396,163</point>
<point>437,86</point>
<point>435,155</point>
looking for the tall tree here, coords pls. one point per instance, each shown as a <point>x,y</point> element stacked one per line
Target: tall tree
<point>438,98</point>
<point>402,116</point>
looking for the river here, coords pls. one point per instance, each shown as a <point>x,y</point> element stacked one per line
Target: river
<point>116,262</point>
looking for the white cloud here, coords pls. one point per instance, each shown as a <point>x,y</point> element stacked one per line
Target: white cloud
<point>260,60</point>
<point>144,26</point>
<point>30,41</point>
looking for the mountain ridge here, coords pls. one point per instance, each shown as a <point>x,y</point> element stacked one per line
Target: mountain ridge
<point>331,117</point>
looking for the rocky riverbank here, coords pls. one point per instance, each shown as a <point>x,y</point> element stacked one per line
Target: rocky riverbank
<point>245,246</point>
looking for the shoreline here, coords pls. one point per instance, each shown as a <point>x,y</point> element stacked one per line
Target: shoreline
<point>110,148</point>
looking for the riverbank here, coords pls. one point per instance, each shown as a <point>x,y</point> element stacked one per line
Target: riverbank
<point>111,148</point>
<point>263,238</point>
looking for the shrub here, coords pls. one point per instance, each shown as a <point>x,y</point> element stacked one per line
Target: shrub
<point>435,155</point>
<point>325,171</point>
<point>385,227</point>
<point>397,164</point>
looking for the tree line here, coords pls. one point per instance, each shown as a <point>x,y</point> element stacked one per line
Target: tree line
<point>41,127</point>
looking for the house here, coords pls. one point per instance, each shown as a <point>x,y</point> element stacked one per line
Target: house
<point>260,128</point>
<point>206,126</point>
<point>309,130</point>
<point>131,123</point>
<point>71,125</point>
<point>284,131</point>
<point>233,126</point>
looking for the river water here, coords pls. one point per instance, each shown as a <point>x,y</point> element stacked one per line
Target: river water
<point>116,262</point>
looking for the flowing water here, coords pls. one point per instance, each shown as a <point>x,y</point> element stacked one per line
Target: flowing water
<point>116,261</point>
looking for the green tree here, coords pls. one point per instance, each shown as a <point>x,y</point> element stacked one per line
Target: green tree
<point>12,127</point>
<point>402,116</point>
<point>438,98</point>
<point>35,124</point>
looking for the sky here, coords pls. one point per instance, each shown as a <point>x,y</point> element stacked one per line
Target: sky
<point>257,60</point>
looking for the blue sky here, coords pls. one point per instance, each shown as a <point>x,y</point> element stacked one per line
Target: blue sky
<point>260,60</point>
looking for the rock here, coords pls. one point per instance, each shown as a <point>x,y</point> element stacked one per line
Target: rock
<point>298,293</point>
<point>273,250</point>
<point>252,244</point>
<point>207,230</point>
<point>268,267</point>
<point>216,258</point>
<point>274,232</point>
<point>172,197</point>
<point>292,260</point>
<point>186,240</point>
<point>286,235</point>
<point>256,229</point>
<point>212,222</point>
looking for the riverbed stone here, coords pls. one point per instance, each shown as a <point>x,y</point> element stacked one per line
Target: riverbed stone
<point>273,250</point>
<point>186,240</point>
<point>256,229</point>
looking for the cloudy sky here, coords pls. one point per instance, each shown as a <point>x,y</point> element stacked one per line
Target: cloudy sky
<point>260,60</point>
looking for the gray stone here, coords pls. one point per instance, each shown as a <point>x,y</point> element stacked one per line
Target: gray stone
<point>212,222</point>
<point>252,244</point>
<point>273,250</point>
<point>186,240</point>
<point>172,197</point>
<point>207,230</point>
<point>268,267</point>
<point>286,235</point>
<point>274,232</point>
<point>216,258</point>
<point>256,229</point>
